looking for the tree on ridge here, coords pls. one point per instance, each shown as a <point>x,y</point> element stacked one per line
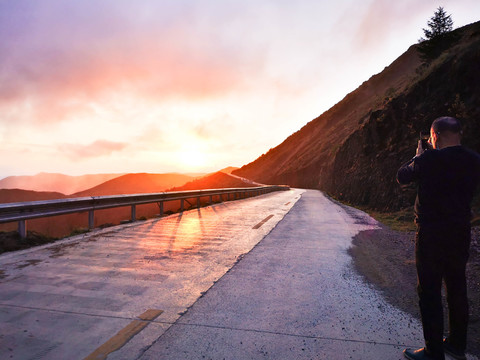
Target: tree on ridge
<point>438,36</point>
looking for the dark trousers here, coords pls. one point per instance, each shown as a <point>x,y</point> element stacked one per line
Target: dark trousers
<point>441,253</point>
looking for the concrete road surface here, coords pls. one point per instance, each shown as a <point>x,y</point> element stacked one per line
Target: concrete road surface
<point>260,278</point>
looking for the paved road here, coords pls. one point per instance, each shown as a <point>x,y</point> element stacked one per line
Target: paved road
<point>260,278</point>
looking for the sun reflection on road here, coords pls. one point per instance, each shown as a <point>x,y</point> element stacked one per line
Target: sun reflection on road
<point>178,236</point>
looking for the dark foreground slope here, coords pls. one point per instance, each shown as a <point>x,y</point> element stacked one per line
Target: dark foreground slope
<point>353,150</point>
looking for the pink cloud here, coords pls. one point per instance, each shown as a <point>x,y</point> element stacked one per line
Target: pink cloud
<point>98,148</point>
<point>62,56</point>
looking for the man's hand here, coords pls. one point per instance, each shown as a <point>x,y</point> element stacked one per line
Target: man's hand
<point>420,149</point>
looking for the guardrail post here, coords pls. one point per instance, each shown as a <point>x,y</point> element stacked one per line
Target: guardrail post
<point>160,205</point>
<point>198,202</point>
<point>91,219</point>
<point>182,204</point>
<point>22,229</point>
<point>134,213</point>
<point>211,200</point>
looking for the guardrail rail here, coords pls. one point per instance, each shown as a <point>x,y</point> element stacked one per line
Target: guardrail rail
<point>23,211</point>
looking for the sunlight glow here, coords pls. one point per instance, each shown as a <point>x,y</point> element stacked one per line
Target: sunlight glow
<point>192,158</point>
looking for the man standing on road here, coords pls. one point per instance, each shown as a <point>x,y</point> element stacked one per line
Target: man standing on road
<point>447,175</point>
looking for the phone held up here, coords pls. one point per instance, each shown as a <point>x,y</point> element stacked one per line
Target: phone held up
<point>424,136</point>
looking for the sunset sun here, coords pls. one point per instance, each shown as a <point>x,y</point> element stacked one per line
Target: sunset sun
<point>192,158</point>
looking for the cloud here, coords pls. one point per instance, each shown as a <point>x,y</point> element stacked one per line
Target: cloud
<point>98,148</point>
<point>57,56</point>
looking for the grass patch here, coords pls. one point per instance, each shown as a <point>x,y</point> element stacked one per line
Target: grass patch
<point>402,220</point>
<point>78,231</point>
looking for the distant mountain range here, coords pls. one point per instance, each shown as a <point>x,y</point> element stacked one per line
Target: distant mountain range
<point>353,150</point>
<point>100,184</point>
<point>45,186</point>
<point>136,184</point>
<point>61,183</point>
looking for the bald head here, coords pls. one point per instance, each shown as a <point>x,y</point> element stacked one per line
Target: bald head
<point>447,123</point>
<point>445,131</point>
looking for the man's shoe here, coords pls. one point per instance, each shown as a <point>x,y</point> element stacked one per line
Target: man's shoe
<point>420,354</point>
<point>450,350</point>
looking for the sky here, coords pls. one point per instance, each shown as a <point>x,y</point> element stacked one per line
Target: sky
<point>117,86</point>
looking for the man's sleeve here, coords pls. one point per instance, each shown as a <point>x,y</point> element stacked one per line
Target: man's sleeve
<point>407,172</point>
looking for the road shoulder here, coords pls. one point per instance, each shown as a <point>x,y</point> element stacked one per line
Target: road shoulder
<point>385,258</point>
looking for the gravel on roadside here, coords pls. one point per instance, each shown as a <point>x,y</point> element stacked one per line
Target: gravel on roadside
<point>386,259</point>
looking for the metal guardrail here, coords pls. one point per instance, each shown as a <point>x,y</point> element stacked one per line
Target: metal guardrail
<point>23,211</point>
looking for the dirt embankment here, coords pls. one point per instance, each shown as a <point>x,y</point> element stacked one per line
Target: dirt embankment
<point>386,259</point>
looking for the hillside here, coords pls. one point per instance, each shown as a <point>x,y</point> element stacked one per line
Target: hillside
<point>353,150</point>
<point>17,195</point>
<point>228,170</point>
<point>136,184</point>
<point>61,183</point>
<point>218,180</point>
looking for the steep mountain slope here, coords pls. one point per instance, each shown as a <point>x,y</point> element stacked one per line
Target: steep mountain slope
<point>64,184</point>
<point>354,149</point>
<point>303,158</point>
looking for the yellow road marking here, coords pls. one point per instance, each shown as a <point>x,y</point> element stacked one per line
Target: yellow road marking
<point>262,222</point>
<point>124,335</point>
<point>150,314</point>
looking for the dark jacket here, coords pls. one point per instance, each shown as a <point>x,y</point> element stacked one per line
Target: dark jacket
<point>446,181</point>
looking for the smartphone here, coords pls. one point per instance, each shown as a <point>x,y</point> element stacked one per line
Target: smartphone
<point>424,136</point>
